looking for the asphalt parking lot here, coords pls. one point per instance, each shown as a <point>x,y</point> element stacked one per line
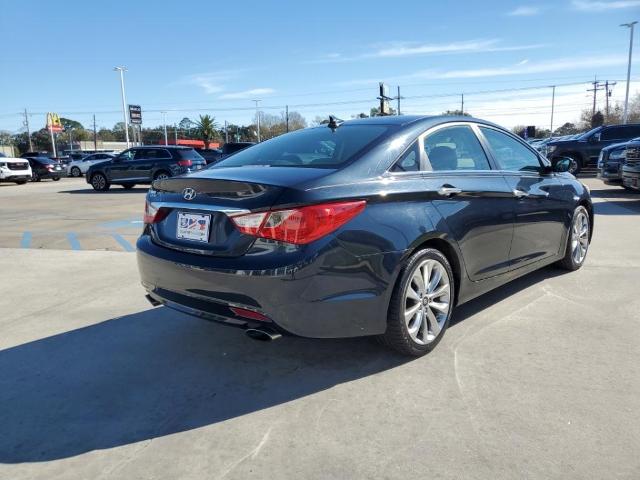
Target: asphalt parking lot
<point>539,379</point>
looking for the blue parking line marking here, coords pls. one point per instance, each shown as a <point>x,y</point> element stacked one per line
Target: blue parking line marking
<point>123,242</point>
<point>26,240</point>
<point>73,241</point>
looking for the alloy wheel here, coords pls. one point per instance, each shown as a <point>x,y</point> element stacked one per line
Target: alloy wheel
<point>427,301</point>
<point>162,176</point>
<point>98,182</point>
<point>580,237</point>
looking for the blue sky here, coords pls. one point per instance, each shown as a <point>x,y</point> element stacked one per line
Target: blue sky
<point>205,57</point>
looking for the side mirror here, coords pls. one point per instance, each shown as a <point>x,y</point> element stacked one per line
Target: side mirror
<point>561,164</point>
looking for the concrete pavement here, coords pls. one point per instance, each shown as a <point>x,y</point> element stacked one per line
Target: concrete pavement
<point>539,379</point>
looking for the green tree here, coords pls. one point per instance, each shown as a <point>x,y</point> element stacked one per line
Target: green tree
<point>566,129</point>
<point>207,129</point>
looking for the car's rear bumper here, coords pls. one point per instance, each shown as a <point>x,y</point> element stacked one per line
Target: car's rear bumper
<point>315,297</point>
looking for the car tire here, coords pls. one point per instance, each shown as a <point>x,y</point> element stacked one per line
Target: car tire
<point>99,182</point>
<point>55,179</point>
<point>21,182</point>
<point>35,177</point>
<point>414,324</point>
<point>576,164</point>
<point>128,186</point>
<point>578,240</point>
<point>161,175</point>
<point>75,172</point>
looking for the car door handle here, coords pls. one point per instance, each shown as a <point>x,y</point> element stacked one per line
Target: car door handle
<point>448,191</point>
<point>520,193</point>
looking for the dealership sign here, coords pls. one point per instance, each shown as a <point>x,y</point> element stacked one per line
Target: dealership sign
<point>53,123</point>
<point>135,114</point>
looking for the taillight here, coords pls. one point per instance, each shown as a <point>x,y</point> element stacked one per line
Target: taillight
<point>153,214</point>
<point>299,225</point>
<point>185,163</point>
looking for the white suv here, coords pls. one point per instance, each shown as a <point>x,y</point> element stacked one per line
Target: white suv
<point>14,170</point>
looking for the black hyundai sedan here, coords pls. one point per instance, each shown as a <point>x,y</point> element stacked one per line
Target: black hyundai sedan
<point>377,226</point>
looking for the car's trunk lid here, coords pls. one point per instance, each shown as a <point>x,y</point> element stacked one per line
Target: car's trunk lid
<point>199,206</point>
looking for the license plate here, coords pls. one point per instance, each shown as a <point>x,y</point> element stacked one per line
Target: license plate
<point>193,226</point>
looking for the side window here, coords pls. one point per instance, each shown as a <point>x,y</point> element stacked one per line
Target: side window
<point>612,133</point>
<point>163,154</point>
<point>454,148</point>
<point>143,154</point>
<point>409,161</point>
<point>127,154</point>
<point>510,153</point>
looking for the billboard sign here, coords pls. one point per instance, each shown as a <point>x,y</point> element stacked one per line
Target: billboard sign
<point>53,123</point>
<point>135,114</point>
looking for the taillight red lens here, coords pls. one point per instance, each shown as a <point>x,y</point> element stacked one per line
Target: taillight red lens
<point>250,314</point>
<point>299,225</point>
<point>152,214</point>
<point>185,163</point>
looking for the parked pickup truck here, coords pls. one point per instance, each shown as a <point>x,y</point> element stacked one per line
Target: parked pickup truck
<point>585,149</point>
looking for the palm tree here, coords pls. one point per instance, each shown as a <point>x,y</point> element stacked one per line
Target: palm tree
<point>206,126</point>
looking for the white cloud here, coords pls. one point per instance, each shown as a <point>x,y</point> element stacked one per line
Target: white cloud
<point>210,82</point>
<point>523,67</point>
<point>404,49</point>
<point>254,92</point>
<point>524,11</point>
<point>599,6</point>
<point>407,49</point>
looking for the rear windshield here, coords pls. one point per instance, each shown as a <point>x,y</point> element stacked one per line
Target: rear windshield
<point>318,147</point>
<point>45,160</point>
<point>190,154</point>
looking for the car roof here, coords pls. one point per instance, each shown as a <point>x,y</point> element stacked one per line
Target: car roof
<point>170,147</point>
<point>415,120</point>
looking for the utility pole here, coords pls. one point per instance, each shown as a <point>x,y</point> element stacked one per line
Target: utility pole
<point>287,117</point>
<point>95,134</point>
<point>124,103</point>
<point>398,98</point>
<point>175,132</point>
<point>625,116</point>
<point>607,94</point>
<point>164,123</point>
<point>226,132</point>
<point>53,138</point>
<point>258,118</point>
<point>26,124</point>
<point>597,86</point>
<point>553,105</point>
<point>462,104</point>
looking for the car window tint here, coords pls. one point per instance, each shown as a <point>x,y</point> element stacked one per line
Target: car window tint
<point>612,134</point>
<point>409,161</point>
<point>510,153</point>
<point>320,147</point>
<point>127,154</point>
<point>454,148</point>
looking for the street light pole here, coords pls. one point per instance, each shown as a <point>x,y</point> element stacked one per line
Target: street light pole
<point>164,122</point>
<point>124,103</point>
<point>258,118</point>
<point>625,117</point>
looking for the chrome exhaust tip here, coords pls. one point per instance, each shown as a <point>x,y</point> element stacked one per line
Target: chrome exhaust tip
<point>262,334</point>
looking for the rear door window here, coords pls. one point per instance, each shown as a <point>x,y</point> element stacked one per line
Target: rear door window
<point>409,161</point>
<point>454,148</point>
